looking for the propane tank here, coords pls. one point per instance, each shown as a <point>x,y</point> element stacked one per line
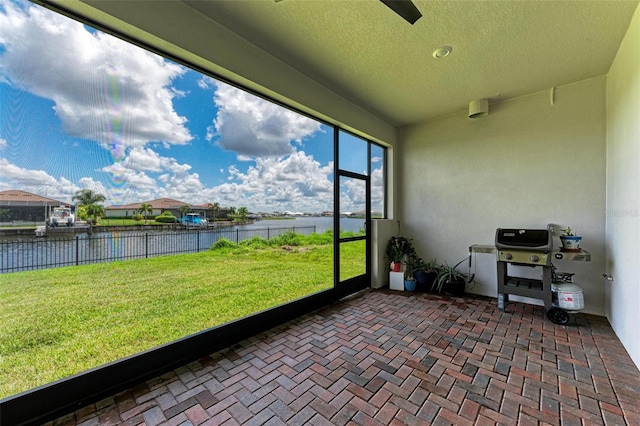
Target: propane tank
<point>567,296</point>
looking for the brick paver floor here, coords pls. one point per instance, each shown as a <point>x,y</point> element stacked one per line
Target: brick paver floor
<point>397,358</point>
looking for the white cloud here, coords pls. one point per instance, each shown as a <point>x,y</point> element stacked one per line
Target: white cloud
<point>95,186</point>
<point>206,82</point>
<point>254,127</point>
<point>35,181</point>
<point>144,159</point>
<point>352,195</point>
<point>132,179</point>
<point>377,190</point>
<point>175,180</point>
<point>24,177</point>
<point>119,194</point>
<point>296,182</point>
<point>3,144</point>
<point>104,89</point>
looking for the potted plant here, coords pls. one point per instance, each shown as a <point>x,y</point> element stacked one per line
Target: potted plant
<point>409,280</point>
<point>570,242</point>
<point>450,280</point>
<point>425,274</point>
<point>398,251</point>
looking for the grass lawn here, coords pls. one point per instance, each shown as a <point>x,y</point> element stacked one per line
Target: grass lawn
<point>58,322</point>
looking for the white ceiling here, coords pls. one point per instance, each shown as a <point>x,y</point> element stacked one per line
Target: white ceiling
<point>364,51</point>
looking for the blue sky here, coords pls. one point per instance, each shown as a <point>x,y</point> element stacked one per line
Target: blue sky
<point>81,109</point>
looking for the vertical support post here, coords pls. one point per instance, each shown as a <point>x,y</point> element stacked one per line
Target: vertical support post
<point>146,245</point>
<point>77,250</point>
<point>237,235</point>
<point>198,241</point>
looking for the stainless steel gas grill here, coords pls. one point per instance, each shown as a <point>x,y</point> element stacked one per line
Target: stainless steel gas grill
<point>525,247</point>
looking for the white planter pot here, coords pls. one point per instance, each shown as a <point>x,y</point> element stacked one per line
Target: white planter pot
<point>570,242</point>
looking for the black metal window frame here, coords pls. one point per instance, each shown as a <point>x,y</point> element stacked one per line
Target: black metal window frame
<point>361,282</point>
<point>47,402</point>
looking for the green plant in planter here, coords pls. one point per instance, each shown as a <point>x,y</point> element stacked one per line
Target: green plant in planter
<point>399,249</point>
<point>450,279</point>
<point>409,280</point>
<point>425,274</point>
<point>569,240</point>
<point>430,266</point>
<point>410,263</point>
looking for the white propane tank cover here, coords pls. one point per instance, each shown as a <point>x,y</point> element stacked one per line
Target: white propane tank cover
<point>570,296</point>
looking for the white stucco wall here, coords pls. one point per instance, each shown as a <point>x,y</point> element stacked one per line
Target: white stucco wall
<point>623,191</point>
<point>528,163</point>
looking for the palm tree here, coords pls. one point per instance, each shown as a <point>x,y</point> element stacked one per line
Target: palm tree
<point>243,212</point>
<point>184,210</point>
<point>86,197</point>
<point>91,202</point>
<point>232,211</point>
<point>144,210</point>
<point>215,208</point>
<point>95,212</point>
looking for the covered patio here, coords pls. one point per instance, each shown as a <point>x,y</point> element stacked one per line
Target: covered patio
<point>384,357</point>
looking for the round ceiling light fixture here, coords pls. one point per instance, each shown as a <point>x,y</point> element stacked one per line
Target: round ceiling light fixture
<point>442,52</point>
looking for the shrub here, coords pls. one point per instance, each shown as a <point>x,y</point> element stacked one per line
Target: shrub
<point>137,217</point>
<point>287,239</point>
<point>320,239</point>
<point>166,217</point>
<point>223,243</point>
<point>255,242</point>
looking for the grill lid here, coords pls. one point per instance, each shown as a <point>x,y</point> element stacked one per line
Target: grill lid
<point>524,239</point>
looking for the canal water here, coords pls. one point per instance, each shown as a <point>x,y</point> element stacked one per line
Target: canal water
<point>322,224</point>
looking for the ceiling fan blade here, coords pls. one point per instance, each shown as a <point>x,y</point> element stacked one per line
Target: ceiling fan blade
<point>404,8</point>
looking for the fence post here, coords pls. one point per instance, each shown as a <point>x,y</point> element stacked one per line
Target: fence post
<point>268,235</point>
<point>77,249</point>
<point>146,245</point>
<point>198,241</point>
<point>237,235</point>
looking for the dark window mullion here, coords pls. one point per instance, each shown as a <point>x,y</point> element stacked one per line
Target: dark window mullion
<point>336,207</point>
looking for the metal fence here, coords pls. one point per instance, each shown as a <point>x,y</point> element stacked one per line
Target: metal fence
<point>23,255</point>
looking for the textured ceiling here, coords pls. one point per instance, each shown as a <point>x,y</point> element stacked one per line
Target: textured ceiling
<point>364,51</point>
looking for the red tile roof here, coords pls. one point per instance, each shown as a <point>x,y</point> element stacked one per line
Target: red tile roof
<point>15,197</point>
<point>160,203</point>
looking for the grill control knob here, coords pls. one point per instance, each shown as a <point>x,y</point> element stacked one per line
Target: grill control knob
<point>534,258</point>
<point>508,256</point>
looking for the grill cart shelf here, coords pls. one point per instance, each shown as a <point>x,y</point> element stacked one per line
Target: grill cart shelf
<point>524,284</point>
<point>526,287</point>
